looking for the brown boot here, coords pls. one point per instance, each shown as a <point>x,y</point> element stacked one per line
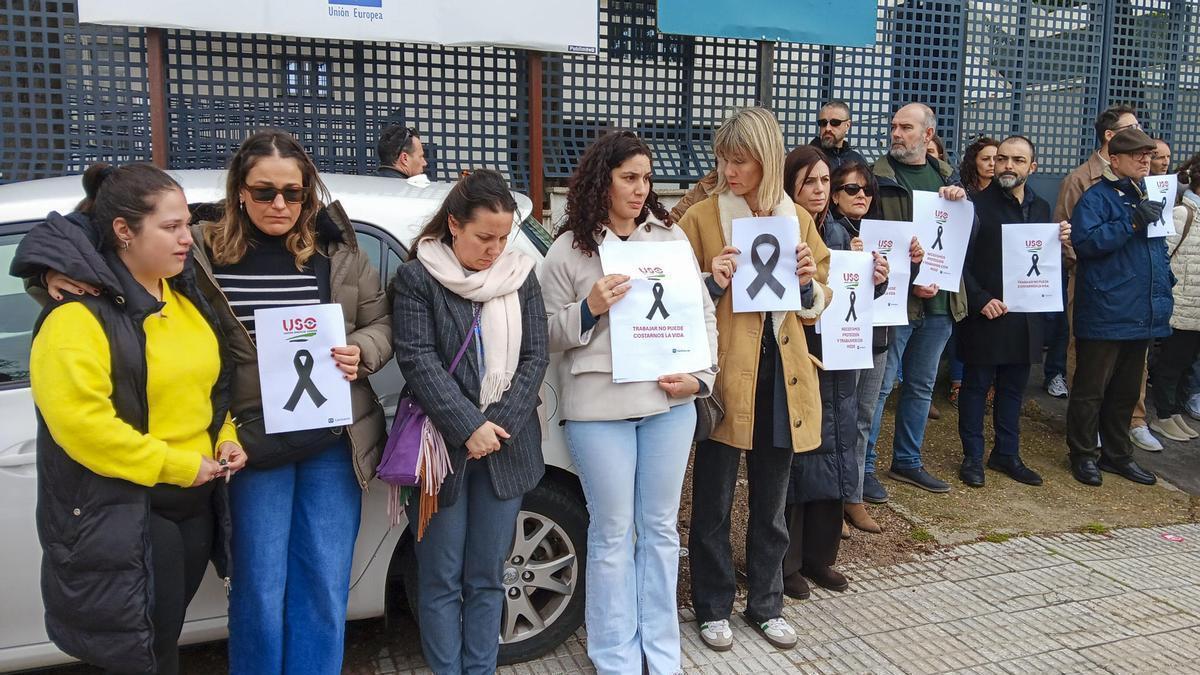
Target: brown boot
<point>858,516</point>
<point>934,413</point>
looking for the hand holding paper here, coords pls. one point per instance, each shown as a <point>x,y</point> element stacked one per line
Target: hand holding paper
<point>944,227</point>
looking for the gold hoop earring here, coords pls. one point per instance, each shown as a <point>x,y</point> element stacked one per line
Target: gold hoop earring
<point>124,244</point>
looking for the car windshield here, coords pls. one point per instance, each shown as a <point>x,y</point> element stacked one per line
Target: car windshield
<point>537,234</point>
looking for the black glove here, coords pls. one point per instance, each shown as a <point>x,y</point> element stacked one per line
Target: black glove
<point>1147,213</point>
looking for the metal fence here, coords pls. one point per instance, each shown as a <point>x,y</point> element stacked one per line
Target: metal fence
<point>71,94</point>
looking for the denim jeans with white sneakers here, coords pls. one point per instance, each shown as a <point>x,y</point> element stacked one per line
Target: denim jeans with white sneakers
<point>632,474</point>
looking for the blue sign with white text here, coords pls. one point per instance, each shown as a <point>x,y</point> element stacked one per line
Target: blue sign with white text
<point>849,23</point>
<point>358,3</point>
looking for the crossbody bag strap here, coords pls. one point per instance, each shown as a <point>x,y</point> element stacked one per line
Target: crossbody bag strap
<point>463,349</point>
<point>1187,227</point>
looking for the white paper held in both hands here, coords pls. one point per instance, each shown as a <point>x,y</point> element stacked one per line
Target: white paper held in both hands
<point>766,279</point>
<point>890,239</point>
<point>302,387</point>
<point>1162,189</point>
<point>659,327</point>
<point>846,323</point>
<point>944,229</point>
<point>1032,266</point>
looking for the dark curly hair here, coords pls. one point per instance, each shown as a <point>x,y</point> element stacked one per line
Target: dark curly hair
<point>587,194</point>
<point>966,169</point>
<point>1189,176</point>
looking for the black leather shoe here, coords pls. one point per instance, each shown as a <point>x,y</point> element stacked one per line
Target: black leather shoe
<point>1015,469</point>
<point>1129,471</point>
<point>796,587</point>
<point>827,578</point>
<point>971,473</point>
<point>920,478</point>
<point>1085,471</point>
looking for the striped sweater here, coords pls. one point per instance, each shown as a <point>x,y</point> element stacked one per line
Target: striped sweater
<point>266,277</point>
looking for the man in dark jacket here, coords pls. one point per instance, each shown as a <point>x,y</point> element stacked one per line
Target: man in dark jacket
<point>401,153</point>
<point>1122,302</point>
<point>833,125</point>
<point>995,345</point>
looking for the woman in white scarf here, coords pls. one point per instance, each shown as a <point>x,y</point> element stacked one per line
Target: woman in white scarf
<point>464,292</point>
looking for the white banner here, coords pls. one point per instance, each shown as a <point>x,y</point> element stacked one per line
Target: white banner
<point>1162,189</point>
<point>658,328</point>
<point>1032,263</point>
<point>545,25</point>
<point>846,322</point>
<point>890,239</point>
<point>944,229</point>
<point>302,387</point>
<point>766,279</point>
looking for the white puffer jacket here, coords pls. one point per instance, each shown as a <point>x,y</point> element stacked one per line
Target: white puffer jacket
<point>1186,266</point>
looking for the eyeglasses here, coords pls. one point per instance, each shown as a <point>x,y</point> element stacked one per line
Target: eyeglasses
<point>854,188</point>
<point>835,123</point>
<point>266,195</point>
<point>1123,127</point>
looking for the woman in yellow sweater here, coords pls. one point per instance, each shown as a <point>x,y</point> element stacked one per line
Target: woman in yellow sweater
<point>133,430</point>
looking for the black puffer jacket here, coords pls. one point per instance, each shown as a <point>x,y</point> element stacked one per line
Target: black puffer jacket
<point>97,577</point>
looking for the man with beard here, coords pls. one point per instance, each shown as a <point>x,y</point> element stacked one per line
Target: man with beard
<point>833,125</point>
<point>997,346</point>
<point>931,311</point>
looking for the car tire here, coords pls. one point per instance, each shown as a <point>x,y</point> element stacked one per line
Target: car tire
<point>548,580</point>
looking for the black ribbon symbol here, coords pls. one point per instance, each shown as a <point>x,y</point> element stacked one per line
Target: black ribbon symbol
<point>937,243</point>
<point>765,270</point>
<point>1034,270</point>
<point>658,305</point>
<point>303,363</point>
<point>851,315</point>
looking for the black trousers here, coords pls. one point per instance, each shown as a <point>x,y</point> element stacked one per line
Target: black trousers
<point>814,535</point>
<point>181,540</point>
<point>1108,384</point>
<point>1010,381</point>
<point>1170,372</point>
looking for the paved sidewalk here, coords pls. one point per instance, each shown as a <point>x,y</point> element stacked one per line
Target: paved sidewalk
<point>1128,602</point>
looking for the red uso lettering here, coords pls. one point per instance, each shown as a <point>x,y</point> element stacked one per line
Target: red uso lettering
<point>1033,243</point>
<point>849,276</point>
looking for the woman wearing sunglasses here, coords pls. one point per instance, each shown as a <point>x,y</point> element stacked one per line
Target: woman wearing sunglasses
<point>853,189</point>
<point>296,506</point>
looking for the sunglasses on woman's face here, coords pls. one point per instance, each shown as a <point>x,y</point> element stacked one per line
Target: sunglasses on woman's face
<point>266,195</point>
<point>853,189</point>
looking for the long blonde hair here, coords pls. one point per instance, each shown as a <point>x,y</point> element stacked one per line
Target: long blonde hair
<point>226,238</point>
<point>754,132</point>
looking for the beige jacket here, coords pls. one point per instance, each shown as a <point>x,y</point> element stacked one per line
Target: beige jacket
<point>588,392</point>
<point>1073,186</point>
<point>1185,264</point>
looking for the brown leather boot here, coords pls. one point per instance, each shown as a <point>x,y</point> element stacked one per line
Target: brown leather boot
<point>858,516</point>
<point>934,413</point>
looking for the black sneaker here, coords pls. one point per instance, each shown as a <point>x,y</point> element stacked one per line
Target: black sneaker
<point>918,477</point>
<point>873,490</point>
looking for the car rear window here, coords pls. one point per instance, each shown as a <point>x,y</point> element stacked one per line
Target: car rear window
<point>537,234</point>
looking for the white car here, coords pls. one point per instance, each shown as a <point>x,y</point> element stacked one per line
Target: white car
<point>544,574</point>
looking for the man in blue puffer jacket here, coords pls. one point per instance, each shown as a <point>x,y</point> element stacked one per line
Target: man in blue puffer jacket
<point>1122,303</point>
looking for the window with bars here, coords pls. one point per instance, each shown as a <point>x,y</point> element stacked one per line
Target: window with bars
<point>307,78</point>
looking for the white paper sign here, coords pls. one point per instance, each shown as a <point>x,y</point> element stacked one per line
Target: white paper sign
<point>944,230</point>
<point>890,239</point>
<point>658,328</point>
<point>766,279</point>
<point>302,387</point>
<point>846,321</point>
<point>1032,265</point>
<point>1162,189</point>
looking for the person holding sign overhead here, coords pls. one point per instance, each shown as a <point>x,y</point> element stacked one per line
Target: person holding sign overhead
<point>997,346</point>
<point>1122,303</point>
<point>629,440</point>
<point>464,292</point>
<point>822,479</point>
<point>767,381</point>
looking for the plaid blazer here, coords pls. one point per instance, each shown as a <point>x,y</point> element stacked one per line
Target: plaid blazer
<point>429,324</point>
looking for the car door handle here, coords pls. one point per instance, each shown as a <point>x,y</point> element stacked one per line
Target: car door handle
<point>25,454</point>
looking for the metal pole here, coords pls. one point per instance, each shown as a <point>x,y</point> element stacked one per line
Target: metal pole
<point>537,168</point>
<point>156,50</point>
<point>766,73</point>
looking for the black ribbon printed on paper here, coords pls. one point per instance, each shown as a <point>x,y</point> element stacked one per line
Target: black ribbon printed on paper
<point>765,269</point>
<point>851,315</point>
<point>303,363</point>
<point>1034,269</point>
<point>658,305</point>
<point>937,243</point>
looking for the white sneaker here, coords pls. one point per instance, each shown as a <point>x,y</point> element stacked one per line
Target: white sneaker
<point>1193,406</point>
<point>717,635</point>
<point>1141,437</point>
<point>777,631</point>
<point>1057,387</point>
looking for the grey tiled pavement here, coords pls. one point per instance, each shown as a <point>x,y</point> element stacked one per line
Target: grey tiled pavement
<point>1127,602</point>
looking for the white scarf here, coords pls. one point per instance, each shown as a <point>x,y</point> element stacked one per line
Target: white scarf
<point>500,320</point>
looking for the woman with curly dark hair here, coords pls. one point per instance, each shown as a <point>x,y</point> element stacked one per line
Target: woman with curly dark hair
<point>978,164</point>
<point>630,441</point>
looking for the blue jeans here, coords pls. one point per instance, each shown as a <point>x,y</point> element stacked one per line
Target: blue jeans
<point>919,346</point>
<point>294,528</point>
<point>632,475</point>
<point>1010,381</point>
<point>460,571</point>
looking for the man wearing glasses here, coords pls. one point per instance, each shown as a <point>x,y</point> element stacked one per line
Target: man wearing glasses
<point>401,154</point>
<point>833,124</point>
<point>1122,304</point>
